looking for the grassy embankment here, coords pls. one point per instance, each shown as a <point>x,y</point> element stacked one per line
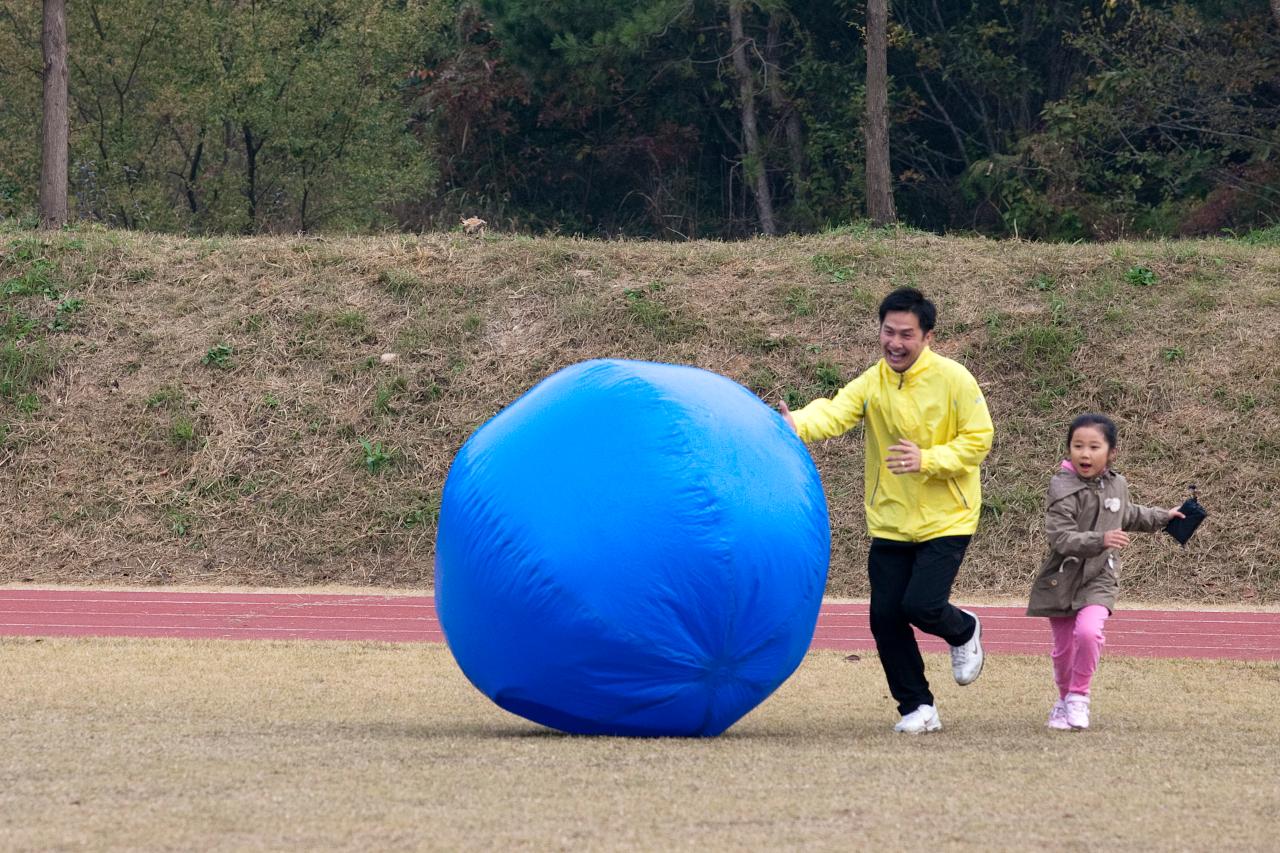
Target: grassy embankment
<point>217,410</point>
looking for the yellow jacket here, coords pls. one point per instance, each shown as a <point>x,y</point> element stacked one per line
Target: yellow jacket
<point>938,405</point>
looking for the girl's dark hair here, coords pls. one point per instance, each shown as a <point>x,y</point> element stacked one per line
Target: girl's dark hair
<point>1104,424</point>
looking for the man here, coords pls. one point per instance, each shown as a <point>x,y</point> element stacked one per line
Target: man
<point>927,432</point>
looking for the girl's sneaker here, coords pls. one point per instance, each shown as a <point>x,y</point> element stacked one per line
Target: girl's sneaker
<point>1058,717</point>
<point>1077,710</point>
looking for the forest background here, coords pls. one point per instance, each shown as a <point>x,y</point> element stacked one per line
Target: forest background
<point>1041,119</point>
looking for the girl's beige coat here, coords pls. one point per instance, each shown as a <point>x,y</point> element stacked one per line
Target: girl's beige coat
<point>1079,571</point>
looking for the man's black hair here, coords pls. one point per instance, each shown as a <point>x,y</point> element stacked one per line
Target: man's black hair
<point>910,299</point>
<point>1102,423</point>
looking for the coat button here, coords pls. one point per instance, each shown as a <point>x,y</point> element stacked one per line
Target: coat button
<point>1053,582</point>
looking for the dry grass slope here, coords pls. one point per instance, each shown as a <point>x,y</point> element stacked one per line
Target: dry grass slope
<point>218,410</point>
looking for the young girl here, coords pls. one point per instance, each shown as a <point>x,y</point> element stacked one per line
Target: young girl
<point>1087,512</point>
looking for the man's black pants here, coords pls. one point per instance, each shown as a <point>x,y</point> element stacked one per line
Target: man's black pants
<point>911,585</point>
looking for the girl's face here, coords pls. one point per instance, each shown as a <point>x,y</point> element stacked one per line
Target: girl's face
<point>1090,451</point>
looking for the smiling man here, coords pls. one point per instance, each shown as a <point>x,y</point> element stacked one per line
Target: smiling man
<point>927,431</point>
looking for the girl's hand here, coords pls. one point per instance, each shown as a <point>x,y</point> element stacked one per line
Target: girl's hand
<point>1115,539</point>
<point>1175,513</point>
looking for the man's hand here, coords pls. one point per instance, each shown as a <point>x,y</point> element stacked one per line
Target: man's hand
<point>1115,539</point>
<point>1175,513</point>
<point>786,416</point>
<point>904,457</point>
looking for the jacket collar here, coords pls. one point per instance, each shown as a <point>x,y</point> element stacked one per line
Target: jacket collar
<point>919,366</point>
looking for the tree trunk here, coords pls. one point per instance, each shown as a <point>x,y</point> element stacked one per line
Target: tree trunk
<point>757,175</point>
<point>783,107</point>
<point>53,160</point>
<point>193,174</point>
<point>251,177</point>
<point>879,179</point>
<point>1061,67</point>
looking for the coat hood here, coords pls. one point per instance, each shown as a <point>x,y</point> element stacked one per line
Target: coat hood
<point>1067,482</point>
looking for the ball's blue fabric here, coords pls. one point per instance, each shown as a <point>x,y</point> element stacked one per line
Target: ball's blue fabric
<point>631,548</point>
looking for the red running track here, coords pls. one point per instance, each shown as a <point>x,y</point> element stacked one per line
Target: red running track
<point>412,619</point>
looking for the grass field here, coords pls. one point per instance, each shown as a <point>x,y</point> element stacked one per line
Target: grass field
<point>182,745</point>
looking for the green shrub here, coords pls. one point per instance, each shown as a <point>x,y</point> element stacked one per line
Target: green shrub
<point>219,356</point>
<point>376,455</point>
<point>1140,276</point>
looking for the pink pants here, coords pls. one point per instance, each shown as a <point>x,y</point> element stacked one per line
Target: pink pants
<point>1077,646</point>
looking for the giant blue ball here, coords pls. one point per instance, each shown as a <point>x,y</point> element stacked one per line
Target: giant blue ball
<point>631,548</point>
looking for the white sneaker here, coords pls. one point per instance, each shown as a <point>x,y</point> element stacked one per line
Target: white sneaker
<point>966,660</point>
<point>922,719</point>
<point>1077,710</point>
<point>1058,717</point>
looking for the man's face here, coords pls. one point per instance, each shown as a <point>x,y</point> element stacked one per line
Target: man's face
<point>902,339</point>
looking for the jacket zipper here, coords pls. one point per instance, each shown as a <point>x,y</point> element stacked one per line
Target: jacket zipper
<point>876,488</point>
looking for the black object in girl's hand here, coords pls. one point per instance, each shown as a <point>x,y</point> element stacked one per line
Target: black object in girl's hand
<point>1182,528</point>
